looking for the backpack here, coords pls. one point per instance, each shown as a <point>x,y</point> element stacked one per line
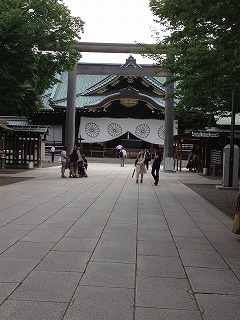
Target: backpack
<point>121,154</point>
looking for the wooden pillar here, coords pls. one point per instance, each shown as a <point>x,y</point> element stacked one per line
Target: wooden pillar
<point>70,110</point>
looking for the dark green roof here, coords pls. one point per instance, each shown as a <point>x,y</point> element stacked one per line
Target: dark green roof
<point>88,89</point>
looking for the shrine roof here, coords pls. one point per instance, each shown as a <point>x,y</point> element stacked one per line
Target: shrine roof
<point>92,89</point>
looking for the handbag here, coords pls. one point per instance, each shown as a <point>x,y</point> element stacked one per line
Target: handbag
<point>236,220</point>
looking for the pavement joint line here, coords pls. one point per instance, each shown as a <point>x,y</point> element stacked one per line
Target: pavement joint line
<point>136,260</point>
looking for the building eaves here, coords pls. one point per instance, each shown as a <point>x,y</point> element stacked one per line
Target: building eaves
<point>15,120</point>
<point>157,102</point>
<point>4,128</point>
<point>30,128</point>
<point>86,101</point>
<point>226,121</point>
<point>156,83</point>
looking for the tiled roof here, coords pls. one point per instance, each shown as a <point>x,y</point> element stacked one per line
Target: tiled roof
<point>226,121</point>
<point>87,85</point>
<point>157,82</point>
<point>30,129</point>
<point>15,120</point>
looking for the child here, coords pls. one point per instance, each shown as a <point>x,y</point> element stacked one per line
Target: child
<point>83,164</point>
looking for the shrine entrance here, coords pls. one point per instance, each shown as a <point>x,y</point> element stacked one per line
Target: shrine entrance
<point>113,69</point>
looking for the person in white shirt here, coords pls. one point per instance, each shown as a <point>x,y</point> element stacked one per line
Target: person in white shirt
<point>118,148</point>
<point>122,156</point>
<point>52,150</point>
<point>63,161</point>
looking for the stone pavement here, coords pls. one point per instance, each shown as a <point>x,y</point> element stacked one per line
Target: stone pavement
<point>106,248</point>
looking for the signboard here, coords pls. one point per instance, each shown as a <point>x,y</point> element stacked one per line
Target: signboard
<point>216,157</point>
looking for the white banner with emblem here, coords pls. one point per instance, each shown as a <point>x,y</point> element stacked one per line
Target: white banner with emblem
<point>105,129</point>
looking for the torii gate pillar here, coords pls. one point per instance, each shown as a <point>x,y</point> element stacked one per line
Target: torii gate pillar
<point>169,122</point>
<point>71,110</point>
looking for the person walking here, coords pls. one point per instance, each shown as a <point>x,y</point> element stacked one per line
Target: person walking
<point>156,165</point>
<point>122,156</point>
<point>195,161</point>
<point>140,166</point>
<point>118,149</point>
<point>190,162</point>
<point>52,151</point>
<point>63,161</point>
<point>147,158</point>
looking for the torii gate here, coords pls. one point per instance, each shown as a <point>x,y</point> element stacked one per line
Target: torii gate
<point>114,69</point>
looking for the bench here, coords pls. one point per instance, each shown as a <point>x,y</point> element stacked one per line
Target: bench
<point>102,152</point>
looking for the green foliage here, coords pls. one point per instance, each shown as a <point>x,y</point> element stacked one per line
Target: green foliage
<point>203,40</point>
<point>29,29</point>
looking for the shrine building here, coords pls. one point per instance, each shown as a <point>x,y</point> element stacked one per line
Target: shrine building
<point>110,110</point>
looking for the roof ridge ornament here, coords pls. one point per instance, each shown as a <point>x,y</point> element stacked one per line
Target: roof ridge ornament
<point>131,62</point>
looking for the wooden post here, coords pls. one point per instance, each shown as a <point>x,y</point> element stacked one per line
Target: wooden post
<point>70,110</point>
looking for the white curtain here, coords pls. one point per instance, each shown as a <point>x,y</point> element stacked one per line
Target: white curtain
<point>105,129</point>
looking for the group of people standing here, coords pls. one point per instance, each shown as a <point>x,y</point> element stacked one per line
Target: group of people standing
<point>142,163</point>
<point>75,162</point>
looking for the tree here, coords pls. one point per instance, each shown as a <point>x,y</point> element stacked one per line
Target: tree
<point>37,40</point>
<point>202,43</point>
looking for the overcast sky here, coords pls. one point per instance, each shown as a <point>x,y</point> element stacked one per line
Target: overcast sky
<point>116,21</point>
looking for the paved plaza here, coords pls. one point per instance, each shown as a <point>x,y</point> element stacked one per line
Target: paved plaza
<point>106,248</point>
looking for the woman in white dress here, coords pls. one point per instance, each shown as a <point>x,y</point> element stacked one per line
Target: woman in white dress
<point>140,166</point>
